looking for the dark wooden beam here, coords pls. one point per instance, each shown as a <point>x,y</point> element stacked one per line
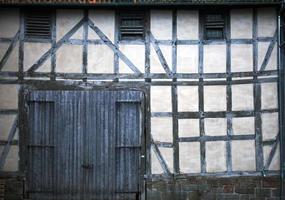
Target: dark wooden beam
<point>206,138</point>
<point>201,94</point>
<point>164,144</point>
<point>21,46</point>
<point>257,99</point>
<point>163,177</point>
<point>229,95</point>
<point>8,111</point>
<point>85,45</point>
<point>147,45</point>
<point>176,159</point>
<point>53,46</point>
<point>153,76</point>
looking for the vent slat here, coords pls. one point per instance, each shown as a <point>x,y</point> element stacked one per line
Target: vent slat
<point>36,32</point>
<point>132,32</point>
<point>135,26</point>
<point>38,24</point>
<point>38,27</point>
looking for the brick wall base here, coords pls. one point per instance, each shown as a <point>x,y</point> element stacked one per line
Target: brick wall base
<point>193,188</point>
<point>209,188</point>
<point>11,188</point>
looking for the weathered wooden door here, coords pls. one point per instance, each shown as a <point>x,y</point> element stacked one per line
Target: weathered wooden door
<point>84,145</point>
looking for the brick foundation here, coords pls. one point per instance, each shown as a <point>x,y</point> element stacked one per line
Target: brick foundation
<point>194,188</point>
<point>208,188</point>
<point>11,188</point>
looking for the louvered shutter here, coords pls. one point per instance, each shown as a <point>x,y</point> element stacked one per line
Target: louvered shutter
<point>214,26</point>
<point>132,25</point>
<point>38,24</point>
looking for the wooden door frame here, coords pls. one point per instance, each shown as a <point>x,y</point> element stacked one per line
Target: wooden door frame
<point>59,86</point>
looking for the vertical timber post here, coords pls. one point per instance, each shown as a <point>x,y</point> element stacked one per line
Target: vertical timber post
<point>281,97</point>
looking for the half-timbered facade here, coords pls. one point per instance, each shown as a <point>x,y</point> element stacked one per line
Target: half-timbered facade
<point>143,100</point>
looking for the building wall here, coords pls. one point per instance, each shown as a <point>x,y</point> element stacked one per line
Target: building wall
<point>217,113</point>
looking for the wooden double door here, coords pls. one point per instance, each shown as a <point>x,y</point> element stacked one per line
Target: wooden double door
<point>83,145</point>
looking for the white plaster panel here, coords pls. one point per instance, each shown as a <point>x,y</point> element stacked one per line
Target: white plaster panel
<point>241,57</point>
<point>155,165</point>
<point>215,98</point>
<point>187,98</point>
<point>6,122</point>
<point>10,99</point>
<point>270,126</point>
<point>136,54</point>
<point>266,22</point>
<point>243,155</point>
<point>187,58</point>
<point>33,52</point>
<point>161,129</point>
<point>242,97</point>
<point>189,154</point>
<point>66,19</point>
<point>11,162</point>
<point>241,23</point>
<point>167,154</point>
<point>100,59</point>
<point>269,95</point>
<point>3,48</point>
<point>215,126</point>
<point>188,127</point>
<point>275,163</point>
<point>161,24</point>
<point>215,58</point>
<point>9,22</point>
<point>78,34</point>
<point>243,125</point>
<point>187,24</point>
<point>262,49</point>
<point>216,156</point>
<point>105,21</point>
<point>155,65</point>
<point>12,63</point>
<point>69,59</point>
<point>16,137</point>
<point>161,99</point>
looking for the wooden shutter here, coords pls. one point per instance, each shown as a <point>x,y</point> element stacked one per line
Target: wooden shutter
<point>132,25</point>
<point>214,26</point>
<point>38,24</point>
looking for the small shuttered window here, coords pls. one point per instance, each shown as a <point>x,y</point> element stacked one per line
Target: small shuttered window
<point>38,24</point>
<point>132,25</point>
<point>214,26</point>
